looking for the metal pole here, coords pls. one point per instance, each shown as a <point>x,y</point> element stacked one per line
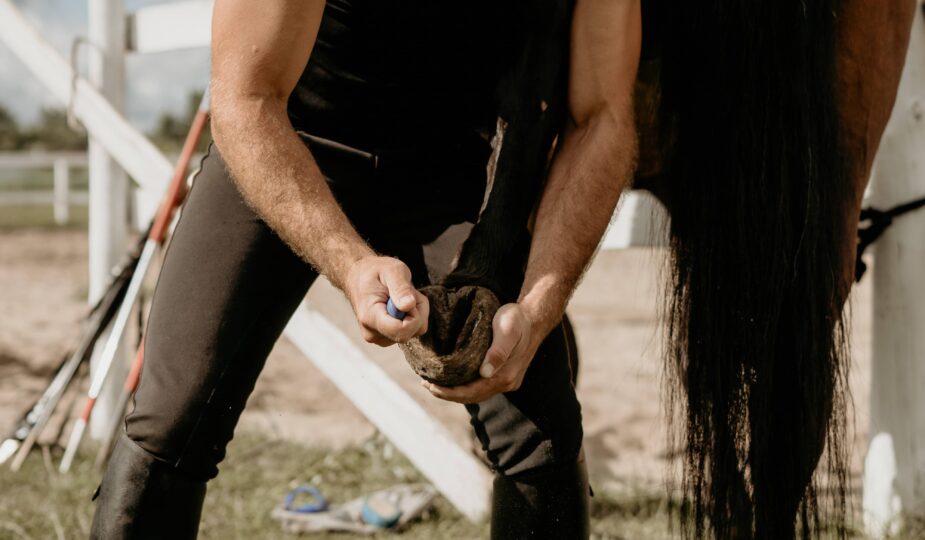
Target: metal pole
<point>108,183</point>
<point>894,475</point>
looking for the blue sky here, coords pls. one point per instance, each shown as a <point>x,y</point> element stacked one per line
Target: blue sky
<point>156,82</point>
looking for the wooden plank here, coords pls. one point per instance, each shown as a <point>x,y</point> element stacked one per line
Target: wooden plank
<point>459,476</point>
<point>897,416</point>
<point>171,26</point>
<point>134,152</point>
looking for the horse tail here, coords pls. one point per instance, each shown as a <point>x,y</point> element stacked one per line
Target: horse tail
<point>759,192</point>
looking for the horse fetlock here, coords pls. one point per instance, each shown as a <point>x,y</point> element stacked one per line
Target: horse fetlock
<point>458,336</point>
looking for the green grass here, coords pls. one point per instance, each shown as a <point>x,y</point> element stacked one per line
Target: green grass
<point>39,179</point>
<point>38,502</point>
<point>38,217</point>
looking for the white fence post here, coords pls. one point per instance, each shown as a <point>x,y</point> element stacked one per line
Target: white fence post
<point>894,476</point>
<point>62,174</point>
<point>108,183</point>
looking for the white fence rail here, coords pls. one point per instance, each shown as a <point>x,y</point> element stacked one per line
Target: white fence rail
<point>61,197</point>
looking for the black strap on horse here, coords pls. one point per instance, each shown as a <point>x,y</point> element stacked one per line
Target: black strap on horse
<point>877,222</point>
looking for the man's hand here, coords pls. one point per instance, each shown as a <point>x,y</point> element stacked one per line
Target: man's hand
<point>369,284</point>
<point>514,342</point>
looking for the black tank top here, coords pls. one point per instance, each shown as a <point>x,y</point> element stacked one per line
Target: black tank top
<point>393,73</point>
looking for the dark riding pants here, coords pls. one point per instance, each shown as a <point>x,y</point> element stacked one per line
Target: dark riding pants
<point>229,286</point>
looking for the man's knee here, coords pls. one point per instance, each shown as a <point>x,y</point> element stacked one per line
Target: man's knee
<point>538,425</point>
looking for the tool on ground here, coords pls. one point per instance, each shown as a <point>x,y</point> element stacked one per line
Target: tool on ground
<point>386,509</point>
<point>30,426</point>
<point>163,219</point>
<point>380,510</point>
<point>26,422</point>
<point>318,504</point>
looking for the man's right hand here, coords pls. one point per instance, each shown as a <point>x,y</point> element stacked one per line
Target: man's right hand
<point>369,284</point>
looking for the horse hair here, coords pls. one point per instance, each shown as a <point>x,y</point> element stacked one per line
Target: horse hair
<point>756,345</point>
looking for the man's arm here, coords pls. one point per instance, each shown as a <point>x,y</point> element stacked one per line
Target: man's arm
<point>593,164</point>
<point>259,50</point>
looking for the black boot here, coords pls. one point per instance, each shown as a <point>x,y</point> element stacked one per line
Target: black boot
<point>142,497</point>
<point>544,503</point>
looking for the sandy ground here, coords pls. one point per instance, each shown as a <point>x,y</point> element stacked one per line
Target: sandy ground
<point>42,297</point>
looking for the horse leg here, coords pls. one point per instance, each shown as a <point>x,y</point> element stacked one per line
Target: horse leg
<point>531,101</point>
<point>872,41</point>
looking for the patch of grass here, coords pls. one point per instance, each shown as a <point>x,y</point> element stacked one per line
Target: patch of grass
<point>38,502</point>
<point>632,515</point>
<point>914,528</point>
<point>259,472</point>
<point>39,179</point>
<point>38,217</point>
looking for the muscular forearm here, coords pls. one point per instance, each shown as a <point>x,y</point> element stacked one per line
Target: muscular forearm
<point>278,177</point>
<point>259,52</point>
<point>592,166</point>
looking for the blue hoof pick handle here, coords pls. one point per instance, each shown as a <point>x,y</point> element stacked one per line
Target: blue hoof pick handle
<point>394,311</point>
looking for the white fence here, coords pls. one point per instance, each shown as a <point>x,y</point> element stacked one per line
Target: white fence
<point>61,197</point>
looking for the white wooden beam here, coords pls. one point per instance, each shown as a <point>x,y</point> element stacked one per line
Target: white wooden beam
<point>897,416</point>
<point>134,152</point>
<point>640,220</point>
<point>461,478</point>
<point>171,26</point>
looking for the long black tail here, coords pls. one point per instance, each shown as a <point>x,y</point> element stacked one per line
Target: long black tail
<point>759,192</point>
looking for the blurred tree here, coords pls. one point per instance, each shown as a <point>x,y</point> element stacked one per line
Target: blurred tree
<point>10,137</point>
<point>171,130</point>
<point>53,133</point>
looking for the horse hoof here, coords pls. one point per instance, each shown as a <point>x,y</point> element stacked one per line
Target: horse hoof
<point>458,335</point>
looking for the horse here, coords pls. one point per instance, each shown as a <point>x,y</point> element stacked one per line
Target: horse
<point>758,123</point>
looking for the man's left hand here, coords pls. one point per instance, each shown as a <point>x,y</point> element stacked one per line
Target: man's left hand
<point>513,344</point>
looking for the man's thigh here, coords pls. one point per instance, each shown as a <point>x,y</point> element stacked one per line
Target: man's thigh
<point>226,291</point>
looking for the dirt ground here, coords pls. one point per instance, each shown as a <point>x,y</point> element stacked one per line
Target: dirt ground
<point>43,276</point>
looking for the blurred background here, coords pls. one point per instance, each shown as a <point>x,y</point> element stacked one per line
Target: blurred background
<point>299,427</point>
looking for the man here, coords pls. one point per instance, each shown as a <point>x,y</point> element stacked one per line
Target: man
<point>346,131</point>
